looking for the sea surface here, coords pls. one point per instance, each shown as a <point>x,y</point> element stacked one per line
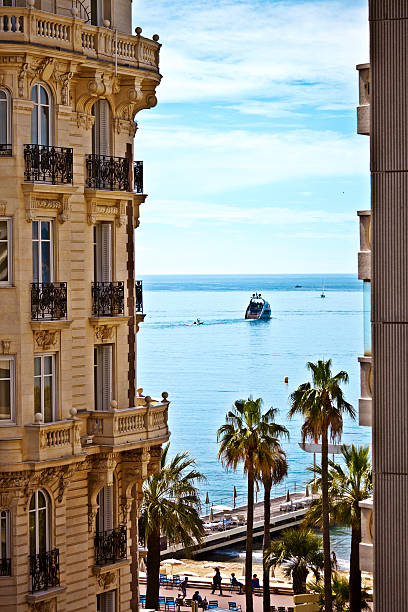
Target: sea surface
<point>206,368</point>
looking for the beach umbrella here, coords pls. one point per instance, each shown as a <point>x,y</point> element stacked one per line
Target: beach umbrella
<point>211,515</point>
<point>191,574</point>
<point>207,500</point>
<point>307,491</point>
<point>172,562</point>
<point>215,564</point>
<point>288,496</point>
<point>234,495</point>
<point>222,508</point>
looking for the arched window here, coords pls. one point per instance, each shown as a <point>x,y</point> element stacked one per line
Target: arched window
<point>5,123</point>
<point>101,131</point>
<point>5,544</point>
<point>41,116</point>
<point>39,523</point>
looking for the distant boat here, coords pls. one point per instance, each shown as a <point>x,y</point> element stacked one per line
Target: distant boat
<point>258,308</point>
<point>198,322</point>
<point>298,286</point>
<point>322,295</point>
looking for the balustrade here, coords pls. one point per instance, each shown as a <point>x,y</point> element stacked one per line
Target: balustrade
<point>45,570</point>
<point>108,299</point>
<point>48,301</point>
<point>6,150</point>
<point>111,546</point>
<point>47,164</point>
<point>107,172</point>
<point>138,176</point>
<point>52,440</point>
<point>139,296</point>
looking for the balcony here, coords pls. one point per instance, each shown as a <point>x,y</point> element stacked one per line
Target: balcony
<point>6,150</point>
<point>147,421</point>
<point>111,546</point>
<point>364,255</point>
<point>5,567</point>
<point>138,176</point>
<point>366,544</point>
<point>107,172</point>
<point>45,164</point>
<point>47,441</point>
<point>48,301</point>
<point>31,26</point>
<point>139,296</point>
<point>44,571</point>
<point>363,109</point>
<point>108,299</point>
<point>365,402</point>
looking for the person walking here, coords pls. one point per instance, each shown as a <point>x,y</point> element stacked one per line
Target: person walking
<point>183,586</point>
<point>217,581</point>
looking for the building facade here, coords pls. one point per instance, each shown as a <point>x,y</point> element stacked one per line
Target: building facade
<point>77,438</point>
<point>387,521</point>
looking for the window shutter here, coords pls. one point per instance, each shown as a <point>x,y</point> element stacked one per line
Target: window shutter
<point>103,127</point>
<point>106,252</point>
<point>106,376</point>
<point>108,508</point>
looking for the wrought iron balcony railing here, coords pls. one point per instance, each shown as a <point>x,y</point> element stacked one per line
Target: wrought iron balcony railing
<point>107,172</point>
<point>139,296</point>
<point>138,176</point>
<point>48,301</point>
<point>5,567</point>
<point>111,546</point>
<point>44,571</point>
<point>108,299</point>
<point>44,164</point>
<point>6,150</point>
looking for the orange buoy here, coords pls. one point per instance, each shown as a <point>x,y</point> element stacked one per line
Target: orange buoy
<point>286,379</point>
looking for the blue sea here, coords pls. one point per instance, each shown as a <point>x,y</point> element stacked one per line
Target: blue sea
<point>206,368</point>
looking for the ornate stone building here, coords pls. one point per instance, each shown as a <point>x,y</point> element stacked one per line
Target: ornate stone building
<point>76,436</point>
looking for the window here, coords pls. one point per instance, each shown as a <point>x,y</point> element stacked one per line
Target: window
<point>101,131</point>
<point>106,602</point>
<point>103,376</point>
<point>5,252</point>
<point>7,374</point>
<point>104,517</point>
<point>45,387</point>
<point>103,252</point>
<point>39,523</point>
<point>5,549</point>
<point>100,10</point>
<point>5,123</point>
<point>43,251</point>
<point>41,116</point>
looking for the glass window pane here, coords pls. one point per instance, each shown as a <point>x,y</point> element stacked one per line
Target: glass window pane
<point>34,94</point>
<point>41,500</point>
<point>3,230</point>
<point>5,399</point>
<point>37,366</point>
<point>3,95</point>
<point>44,119</point>
<point>35,230</point>
<point>48,365</point>
<point>35,263</point>
<point>34,125</point>
<point>42,531</point>
<point>3,538</point>
<point>3,121</point>
<point>3,261</point>
<point>48,394</point>
<point>43,95</point>
<point>32,528</point>
<point>37,395</point>
<point>4,368</point>
<point>45,230</point>
<point>46,262</point>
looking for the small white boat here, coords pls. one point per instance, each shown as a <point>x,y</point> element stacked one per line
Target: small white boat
<point>198,322</point>
<point>258,308</point>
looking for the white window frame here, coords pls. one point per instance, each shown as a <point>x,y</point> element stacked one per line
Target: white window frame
<point>54,386</point>
<point>12,362</point>
<point>7,103</point>
<point>5,519</point>
<point>36,511</point>
<point>50,106</point>
<point>39,241</point>
<point>9,281</point>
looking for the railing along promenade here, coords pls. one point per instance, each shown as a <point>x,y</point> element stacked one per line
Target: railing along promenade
<point>29,25</point>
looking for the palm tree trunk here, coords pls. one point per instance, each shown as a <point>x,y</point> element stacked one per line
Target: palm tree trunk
<point>326,524</point>
<point>266,541</point>
<point>153,569</point>
<point>355,573</point>
<point>249,543</point>
<point>299,577</point>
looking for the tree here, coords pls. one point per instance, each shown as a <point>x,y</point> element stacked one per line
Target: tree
<point>245,435</point>
<point>273,469</point>
<point>348,486</point>
<point>299,551</point>
<point>340,594</point>
<point>322,406</point>
<point>171,507</point>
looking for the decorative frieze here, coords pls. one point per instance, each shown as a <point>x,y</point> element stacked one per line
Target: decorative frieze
<point>104,333</point>
<point>107,580</point>
<point>99,210</point>
<point>46,339</point>
<point>36,203</point>
<point>3,209</point>
<point>6,344</point>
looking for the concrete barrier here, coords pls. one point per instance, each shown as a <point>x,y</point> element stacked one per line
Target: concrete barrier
<point>306,602</point>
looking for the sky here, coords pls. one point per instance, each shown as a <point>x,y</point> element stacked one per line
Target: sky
<point>251,159</point>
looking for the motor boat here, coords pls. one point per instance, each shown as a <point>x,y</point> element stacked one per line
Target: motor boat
<point>198,322</point>
<point>258,308</point>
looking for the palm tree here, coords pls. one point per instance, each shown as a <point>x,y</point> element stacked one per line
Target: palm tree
<point>246,435</point>
<point>299,551</point>
<point>322,405</point>
<point>348,486</point>
<point>273,469</point>
<point>340,594</point>
<point>171,507</point>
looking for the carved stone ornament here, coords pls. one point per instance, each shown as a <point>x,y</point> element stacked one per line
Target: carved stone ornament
<point>104,333</point>
<point>125,126</point>
<point>46,339</point>
<point>56,477</point>
<point>125,507</point>
<point>29,71</point>
<point>44,606</point>
<point>107,580</point>
<point>85,120</point>
<point>6,346</point>
<point>98,210</point>
<point>5,500</point>
<point>3,209</point>
<point>34,203</point>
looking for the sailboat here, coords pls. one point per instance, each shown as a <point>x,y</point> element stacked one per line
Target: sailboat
<point>322,295</point>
